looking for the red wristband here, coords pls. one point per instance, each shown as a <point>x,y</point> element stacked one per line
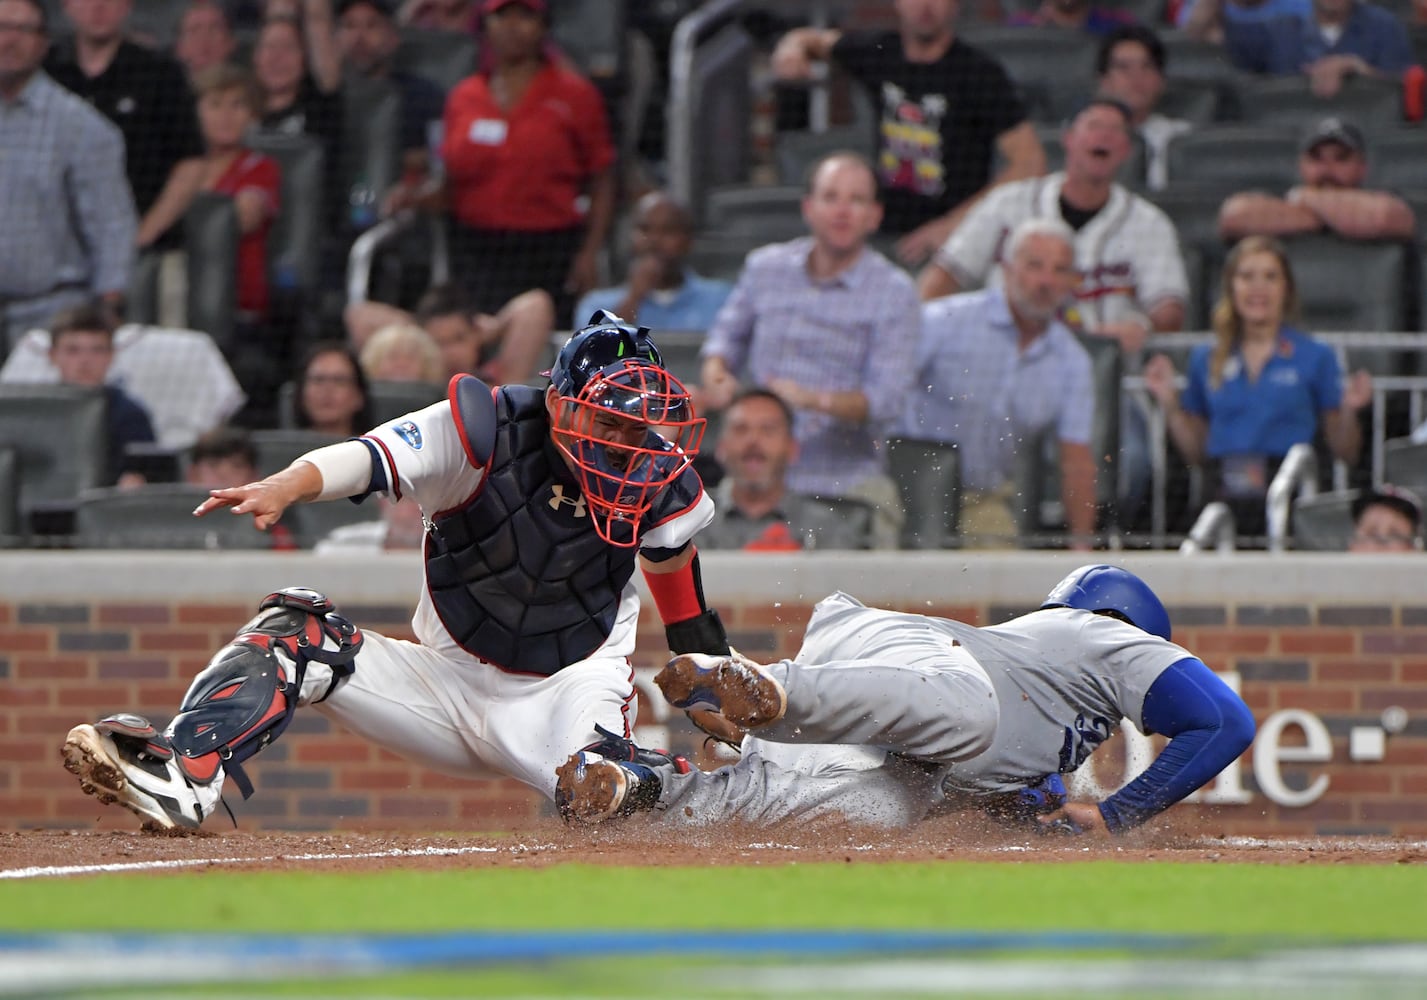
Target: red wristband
<point>677,595</point>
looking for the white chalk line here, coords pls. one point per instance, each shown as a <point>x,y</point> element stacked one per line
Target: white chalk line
<point>174,864</point>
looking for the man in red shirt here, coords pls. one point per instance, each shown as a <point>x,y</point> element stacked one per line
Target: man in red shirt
<point>529,182</point>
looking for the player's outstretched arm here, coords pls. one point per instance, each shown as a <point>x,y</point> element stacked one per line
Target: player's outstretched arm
<point>267,499</point>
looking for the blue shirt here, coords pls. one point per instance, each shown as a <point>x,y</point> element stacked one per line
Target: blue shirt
<point>1283,46</point>
<point>692,306</point>
<point>1233,13</point>
<point>857,331</point>
<point>1299,383</point>
<point>977,389</point>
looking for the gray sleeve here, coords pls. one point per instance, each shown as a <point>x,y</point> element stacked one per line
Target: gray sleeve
<point>1127,661</point>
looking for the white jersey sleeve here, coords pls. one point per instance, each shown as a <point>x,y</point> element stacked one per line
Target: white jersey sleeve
<point>1159,264</point>
<point>679,530</point>
<point>423,456</point>
<point>970,252</point>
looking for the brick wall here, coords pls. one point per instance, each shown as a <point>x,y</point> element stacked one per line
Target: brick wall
<point>88,639</point>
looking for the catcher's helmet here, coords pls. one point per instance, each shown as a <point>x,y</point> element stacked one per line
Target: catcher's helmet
<point>615,391</point>
<point>1109,588</point>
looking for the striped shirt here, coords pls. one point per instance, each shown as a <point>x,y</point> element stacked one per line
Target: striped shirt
<point>1127,254</point>
<point>978,390</point>
<point>66,213</point>
<point>857,332</point>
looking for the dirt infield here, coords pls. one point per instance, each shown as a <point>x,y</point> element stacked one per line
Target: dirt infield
<point>42,853</point>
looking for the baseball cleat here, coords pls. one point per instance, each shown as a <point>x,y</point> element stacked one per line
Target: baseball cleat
<point>122,760</point>
<point>734,686</point>
<point>591,789</point>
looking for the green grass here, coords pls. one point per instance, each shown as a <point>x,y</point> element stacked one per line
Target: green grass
<point>1348,902</point>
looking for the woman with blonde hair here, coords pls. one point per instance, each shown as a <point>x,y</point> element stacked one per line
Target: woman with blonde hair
<point>403,352</point>
<point>1260,388</point>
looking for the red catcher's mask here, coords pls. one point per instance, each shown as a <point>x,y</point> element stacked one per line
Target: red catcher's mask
<point>630,432</point>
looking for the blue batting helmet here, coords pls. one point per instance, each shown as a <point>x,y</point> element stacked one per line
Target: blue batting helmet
<point>1109,588</point>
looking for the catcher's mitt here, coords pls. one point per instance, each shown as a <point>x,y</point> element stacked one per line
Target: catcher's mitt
<point>716,726</point>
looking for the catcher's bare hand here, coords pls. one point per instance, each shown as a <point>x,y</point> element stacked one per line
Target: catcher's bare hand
<point>265,501</point>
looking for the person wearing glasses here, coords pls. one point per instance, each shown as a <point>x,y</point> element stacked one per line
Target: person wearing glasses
<point>1386,519</point>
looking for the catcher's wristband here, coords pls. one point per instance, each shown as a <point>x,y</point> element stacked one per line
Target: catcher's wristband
<point>701,634</point>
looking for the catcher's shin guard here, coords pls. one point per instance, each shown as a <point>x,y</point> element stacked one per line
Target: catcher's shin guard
<point>297,648</point>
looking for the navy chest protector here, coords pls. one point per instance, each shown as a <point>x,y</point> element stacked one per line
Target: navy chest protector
<point>518,575</point>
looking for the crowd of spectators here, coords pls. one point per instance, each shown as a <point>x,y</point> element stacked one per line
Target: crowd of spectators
<point>817,351</point>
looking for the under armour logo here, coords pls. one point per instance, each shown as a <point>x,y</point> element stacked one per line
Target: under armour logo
<point>559,498</point>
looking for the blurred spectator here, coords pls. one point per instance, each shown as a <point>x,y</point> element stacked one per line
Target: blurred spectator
<point>332,392</point>
<point>403,352</point>
<point>66,211</point>
<point>297,99</point>
<point>1386,519</point>
<point>1332,166</point>
<point>367,39</point>
<point>996,368</point>
<point>831,326</point>
<point>440,15</point>
<point>142,91</point>
<point>754,508</point>
<point>401,527</point>
<point>946,109</point>
<point>1335,40</point>
<point>660,291</point>
<point>1260,388</point>
<point>229,102</point>
<point>222,458</point>
<point>506,347</point>
<point>226,457</point>
<point>1208,19</point>
<point>205,38</point>
<point>1074,15</point>
<point>1130,66</point>
<point>1132,277</point>
<point>81,349</point>
<point>526,145</point>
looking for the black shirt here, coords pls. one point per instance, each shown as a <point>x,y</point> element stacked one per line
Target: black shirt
<point>128,424</point>
<point>146,94</point>
<point>317,115</point>
<point>937,122</point>
<point>422,102</point>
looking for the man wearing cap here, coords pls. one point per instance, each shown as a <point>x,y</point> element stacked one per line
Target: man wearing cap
<point>1386,519</point>
<point>1332,165</point>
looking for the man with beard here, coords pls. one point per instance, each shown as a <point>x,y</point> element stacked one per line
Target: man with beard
<point>997,367</point>
<point>753,508</point>
<point>1332,166</point>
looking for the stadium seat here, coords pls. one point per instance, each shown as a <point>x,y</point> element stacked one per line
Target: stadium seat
<point>1194,210</point>
<point>211,234</point>
<point>854,518</point>
<point>311,522</point>
<point>10,528</point>
<point>294,245</point>
<point>159,517</point>
<point>592,33</point>
<point>719,256</point>
<point>1196,309</point>
<point>1230,158</point>
<point>443,57</point>
<point>155,22</point>
<point>1323,523</point>
<point>797,151</point>
<point>680,351</point>
<point>390,400</point>
<point>277,448</point>
<point>1395,162</point>
<point>1043,62</point>
<point>929,481</point>
<point>756,214</point>
<point>1197,101</point>
<point>708,143</point>
<point>371,136</point>
<point>59,435</point>
<point>142,303</point>
<point>1288,100</point>
<point>1405,464</point>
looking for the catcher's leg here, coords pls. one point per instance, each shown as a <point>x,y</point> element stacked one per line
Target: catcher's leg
<point>296,650</point>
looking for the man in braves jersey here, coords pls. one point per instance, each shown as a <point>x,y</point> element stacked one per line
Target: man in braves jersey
<point>538,506</point>
<point>884,718</point>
